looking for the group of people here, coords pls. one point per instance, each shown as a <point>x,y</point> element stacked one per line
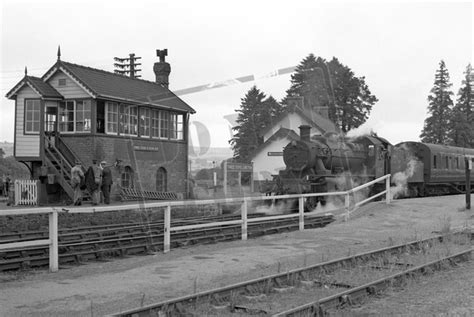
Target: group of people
<point>97,179</point>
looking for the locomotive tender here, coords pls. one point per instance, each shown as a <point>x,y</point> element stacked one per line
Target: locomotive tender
<point>334,163</point>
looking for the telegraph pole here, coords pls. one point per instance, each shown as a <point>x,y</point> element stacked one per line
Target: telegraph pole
<point>127,65</point>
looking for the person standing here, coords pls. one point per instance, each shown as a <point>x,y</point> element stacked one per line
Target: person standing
<point>97,170</point>
<point>76,178</point>
<point>7,185</point>
<point>106,181</point>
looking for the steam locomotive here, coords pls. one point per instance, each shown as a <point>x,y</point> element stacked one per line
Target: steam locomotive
<point>333,163</point>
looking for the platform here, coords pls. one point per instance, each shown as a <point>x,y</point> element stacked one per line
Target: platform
<point>99,288</point>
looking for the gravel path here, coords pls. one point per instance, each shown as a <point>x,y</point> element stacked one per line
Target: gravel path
<point>105,287</point>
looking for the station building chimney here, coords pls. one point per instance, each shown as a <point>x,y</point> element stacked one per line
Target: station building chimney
<point>305,131</point>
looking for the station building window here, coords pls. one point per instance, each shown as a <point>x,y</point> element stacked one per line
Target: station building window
<point>127,177</point>
<point>74,116</point>
<point>32,116</point>
<point>161,180</point>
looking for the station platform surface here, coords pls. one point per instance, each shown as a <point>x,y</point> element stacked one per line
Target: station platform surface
<point>101,288</point>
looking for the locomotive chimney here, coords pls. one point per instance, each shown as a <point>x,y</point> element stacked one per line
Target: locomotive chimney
<point>162,69</point>
<point>305,131</point>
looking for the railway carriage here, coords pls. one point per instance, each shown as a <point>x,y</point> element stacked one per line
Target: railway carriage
<point>431,169</point>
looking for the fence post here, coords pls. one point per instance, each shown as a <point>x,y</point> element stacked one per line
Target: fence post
<point>244,219</point>
<point>387,188</point>
<point>53,244</point>
<point>16,191</point>
<point>167,231</point>
<point>347,204</point>
<point>301,212</point>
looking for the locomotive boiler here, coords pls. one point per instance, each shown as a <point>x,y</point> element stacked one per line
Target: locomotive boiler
<point>330,162</point>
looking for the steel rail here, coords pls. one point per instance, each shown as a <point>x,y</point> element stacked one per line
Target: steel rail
<point>95,247</point>
<point>268,281</point>
<point>319,307</point>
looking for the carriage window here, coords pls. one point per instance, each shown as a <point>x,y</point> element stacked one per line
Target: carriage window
<point>434,162</point>
<point>447,162</point>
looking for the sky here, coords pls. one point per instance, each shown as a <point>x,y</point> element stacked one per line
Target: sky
<point>396,46</point>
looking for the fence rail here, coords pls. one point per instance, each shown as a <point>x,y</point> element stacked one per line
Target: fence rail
<point>350,205</point>
<point>26,192</point>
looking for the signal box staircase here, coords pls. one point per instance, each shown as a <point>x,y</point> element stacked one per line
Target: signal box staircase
<point>59,159</point>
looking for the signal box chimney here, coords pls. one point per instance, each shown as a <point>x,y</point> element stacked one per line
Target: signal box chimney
<point>162,69</point>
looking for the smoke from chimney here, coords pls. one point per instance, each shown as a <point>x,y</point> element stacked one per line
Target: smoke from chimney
<point>162,69</point>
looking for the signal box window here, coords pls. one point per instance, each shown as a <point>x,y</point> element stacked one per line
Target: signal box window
<point>32,116</point>
<point>161,180</point>
<point>127,177</point>
<point>111,109</point>
<point>75,116</point>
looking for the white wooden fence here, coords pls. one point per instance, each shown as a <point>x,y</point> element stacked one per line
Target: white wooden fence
<point>350,205</point>
<point>26,192</point>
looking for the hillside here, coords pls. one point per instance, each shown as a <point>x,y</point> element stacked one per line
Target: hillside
<point>7,148</point>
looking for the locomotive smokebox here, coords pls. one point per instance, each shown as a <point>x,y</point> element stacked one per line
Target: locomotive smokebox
<point>305,131</point>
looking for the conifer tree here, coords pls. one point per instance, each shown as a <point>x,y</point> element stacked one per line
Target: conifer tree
<point>256,113</point>
<point>462,120</point>
<point>353,100</point>
<point>437,125</point>
<point>335,86</point>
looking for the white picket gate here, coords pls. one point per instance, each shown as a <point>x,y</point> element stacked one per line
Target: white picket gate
<point>26,192</point>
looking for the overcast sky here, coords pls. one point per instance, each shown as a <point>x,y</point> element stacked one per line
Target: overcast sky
<point>397,47</point>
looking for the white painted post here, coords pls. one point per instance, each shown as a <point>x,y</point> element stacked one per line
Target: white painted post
<point>301,212</point>
<point>53,244</point>
<point>244,220</point>
<point>225,178</point>
<point>387,187</point>
<point>251,180</point>
<point>167,232</point>
<point>17,191</point>
<point>347,203</point>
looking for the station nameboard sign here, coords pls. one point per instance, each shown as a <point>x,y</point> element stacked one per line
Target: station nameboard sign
<point>274,153</point>
<point>239,167</point>
<point>146,148</point>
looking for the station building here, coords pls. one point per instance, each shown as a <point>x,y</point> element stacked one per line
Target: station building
<point>78,113</point>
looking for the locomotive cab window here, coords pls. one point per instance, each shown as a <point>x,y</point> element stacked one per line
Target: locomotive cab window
<point>371,150</point>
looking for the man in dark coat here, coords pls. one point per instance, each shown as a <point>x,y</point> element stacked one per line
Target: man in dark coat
<point>106,181</point>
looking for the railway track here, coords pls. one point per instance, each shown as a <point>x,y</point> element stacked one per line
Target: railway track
<point>318,289</point>
<point>102,242</point>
